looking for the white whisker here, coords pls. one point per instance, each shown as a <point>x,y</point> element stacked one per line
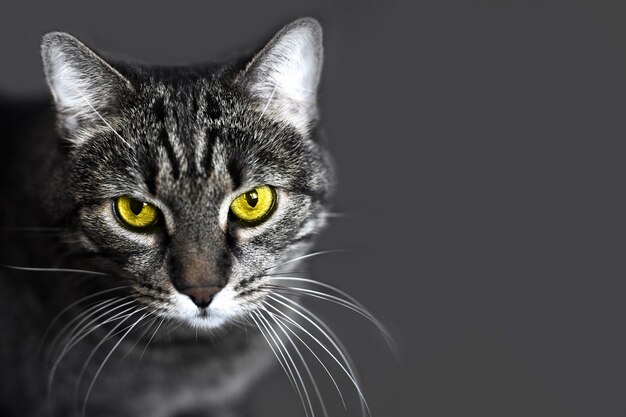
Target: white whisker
<point>299,258</point>
<point>283,362</point>
<point>102,118</point>
<point>75,341</point>
<point>145,331</point>
<point>69,307</point>
<point>77,335</point>
<point>287,370</point>
<point>31,269</point>
<point>334,340</point>
<point>274,316</point>
<point>150,340</point>
<point>95,377</point>
<point>320,283</point>
<point>293,364</point>
<point>306,366</point>
<point>354,306</point>
<point>343,368</point>
<point>268,101</point>
<point>76,322</point>
<point>102,341</point>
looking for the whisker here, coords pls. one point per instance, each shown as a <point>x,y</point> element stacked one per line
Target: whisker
<point>300,271</point>
<point>283,362</point>
<point>318,324</point>
<point>347,304</point>
<point>77,335</point>
<point>31,269</point>
<point>173,326</point>
<point>306,367</point>
<point>274,316</point>
<point>334,340</point>
<point>95,377</point>
<point>69,307</point>
<point>293,364</point>
<point>268,101</point>
<point>299,258</point>
<point>106,338</point>
<point>145,331</point>
<point>102,118</point>
<point>150,340</point>
<point>79,320</point>
<point>75,342</point>
<point>349,374</point>
<point>321,284</point>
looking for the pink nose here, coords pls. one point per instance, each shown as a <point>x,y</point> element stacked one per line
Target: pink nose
<point>201,296</point>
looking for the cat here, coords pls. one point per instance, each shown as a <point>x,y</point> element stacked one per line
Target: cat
<point>151,218</point>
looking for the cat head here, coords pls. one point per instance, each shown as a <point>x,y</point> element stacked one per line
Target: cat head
<point>193,184</point>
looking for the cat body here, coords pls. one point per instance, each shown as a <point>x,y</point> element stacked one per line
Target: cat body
<point>103,315</point>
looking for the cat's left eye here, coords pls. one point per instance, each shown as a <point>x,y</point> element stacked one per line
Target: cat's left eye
<point>254,206</point>
<point>134,213</point>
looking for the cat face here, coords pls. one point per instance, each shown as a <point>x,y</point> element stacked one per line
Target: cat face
<point>193,184</point>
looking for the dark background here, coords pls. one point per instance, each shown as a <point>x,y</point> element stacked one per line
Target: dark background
<point>479,148</point>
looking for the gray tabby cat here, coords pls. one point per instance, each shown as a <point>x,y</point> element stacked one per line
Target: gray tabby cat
<point>152,232</point>
<point>179,192</point>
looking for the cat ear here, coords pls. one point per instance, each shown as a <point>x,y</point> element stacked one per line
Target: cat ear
<point>84,86</point>
<point>285,74</point>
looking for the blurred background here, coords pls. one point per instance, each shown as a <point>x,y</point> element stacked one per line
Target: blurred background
<point>479,148</point>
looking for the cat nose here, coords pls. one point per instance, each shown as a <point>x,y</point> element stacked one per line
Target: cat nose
<point>201,296</point>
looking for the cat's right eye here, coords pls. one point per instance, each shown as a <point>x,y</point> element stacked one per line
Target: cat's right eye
<point>134,213</point>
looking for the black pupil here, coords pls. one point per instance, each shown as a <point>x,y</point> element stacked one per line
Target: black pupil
<point>252,198</point>
<point>136,207</point>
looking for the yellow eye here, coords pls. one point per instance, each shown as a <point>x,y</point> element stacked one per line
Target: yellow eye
<point>135,213</point>
<point>254,205</point>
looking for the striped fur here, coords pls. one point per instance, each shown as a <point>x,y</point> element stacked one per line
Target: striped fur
<point>187,140</point>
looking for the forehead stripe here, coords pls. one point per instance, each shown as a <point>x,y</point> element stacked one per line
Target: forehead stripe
<point>207,158</point>
<point>164,141</point>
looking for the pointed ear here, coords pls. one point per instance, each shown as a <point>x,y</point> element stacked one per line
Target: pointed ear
<point>285,74</point>
<point>84,86</point>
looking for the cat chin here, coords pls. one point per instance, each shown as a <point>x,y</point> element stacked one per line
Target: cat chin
<point>206,321</point>
<point>202,318</point>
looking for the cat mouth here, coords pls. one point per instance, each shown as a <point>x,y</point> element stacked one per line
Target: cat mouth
<point>204,313</point>
<point>203,318</point>
<point>217,313</point>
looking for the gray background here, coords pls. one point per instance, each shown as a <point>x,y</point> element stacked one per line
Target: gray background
<point>479,148</point>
